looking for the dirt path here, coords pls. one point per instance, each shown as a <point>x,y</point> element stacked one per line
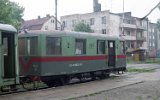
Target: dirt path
<point>149,89</point>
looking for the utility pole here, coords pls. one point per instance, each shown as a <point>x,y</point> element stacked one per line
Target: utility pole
<point>123,19</point>
<point>56,14</point>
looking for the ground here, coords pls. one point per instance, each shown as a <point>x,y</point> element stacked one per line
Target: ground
<point>133,85</point>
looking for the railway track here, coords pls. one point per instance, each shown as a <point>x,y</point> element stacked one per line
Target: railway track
<point>34,87</point>
<point>68,91</point>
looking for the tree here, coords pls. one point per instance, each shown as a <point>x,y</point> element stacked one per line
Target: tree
<point>11,13</point>
<point>82,27</point>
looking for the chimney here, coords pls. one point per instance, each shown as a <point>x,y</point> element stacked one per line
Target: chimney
<point>39,17</point>
<point>96,6</point>
<point>48,15</point>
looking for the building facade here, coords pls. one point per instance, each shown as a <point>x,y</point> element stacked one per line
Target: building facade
<point>132,29</point>
<point>98,21</point>
<point>154,40</point>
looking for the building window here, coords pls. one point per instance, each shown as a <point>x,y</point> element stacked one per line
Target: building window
<point>153,37</point>
<point>153,30</point>
<point>84,21</point>
<point>141,34</point>
<point>64,23</point>
<point>132,45</point>
<point>80,47</point>
<point>46,27</point>
<point>32,46</point>
<point>153,45</point>
<point>73,23</point>
<point>53,46</point>
<point>128,33</point>
<point>52,21</point>
<point>103,31</point>
<point>100,47</point>
<point>21,43</point>
<point>104,20</point>
<point>91,21</point>
<point>150,44</point>
<point>150,37</point>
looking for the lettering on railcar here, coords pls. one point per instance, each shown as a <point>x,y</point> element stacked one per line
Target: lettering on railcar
<point>75,64</point>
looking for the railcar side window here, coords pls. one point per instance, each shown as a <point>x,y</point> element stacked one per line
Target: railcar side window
<point>53,46</point>
<point>32,46</point>
<point>21,44</point>
<point>80,47</point>
<point>100,47</point>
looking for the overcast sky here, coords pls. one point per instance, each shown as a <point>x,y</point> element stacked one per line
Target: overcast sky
<point>139,8</point>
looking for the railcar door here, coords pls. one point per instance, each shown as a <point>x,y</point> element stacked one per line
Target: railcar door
<point>111,53</point>
<point>8,55</point>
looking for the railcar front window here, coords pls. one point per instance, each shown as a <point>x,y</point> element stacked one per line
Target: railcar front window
<point>5,42</point>
<point>80,47</point>
<point>21,43</point>
<point>100,47</point>
<point>122,47</point>
<point>53,46</point>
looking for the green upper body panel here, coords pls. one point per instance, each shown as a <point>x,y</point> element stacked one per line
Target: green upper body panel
<point>70,34</point>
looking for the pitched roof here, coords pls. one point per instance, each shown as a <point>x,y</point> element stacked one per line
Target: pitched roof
<point>34,24</point>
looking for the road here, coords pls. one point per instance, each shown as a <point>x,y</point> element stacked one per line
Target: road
<point>117,87</point>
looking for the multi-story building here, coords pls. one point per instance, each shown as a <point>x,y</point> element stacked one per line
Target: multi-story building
<point>154,40</point>
<point>132,29</point>
<point>45,23</point>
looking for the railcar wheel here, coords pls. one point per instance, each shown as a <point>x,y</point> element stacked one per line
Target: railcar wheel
<point>65,80</point>
<point>50,83</point>
<point>104,75</point>
<point>93,76</point>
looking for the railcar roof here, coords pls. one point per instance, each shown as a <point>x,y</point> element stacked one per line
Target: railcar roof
<point>6,27</point>
<point>65,33</point>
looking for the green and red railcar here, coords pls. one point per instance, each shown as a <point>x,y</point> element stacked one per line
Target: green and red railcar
<point>58,56</point>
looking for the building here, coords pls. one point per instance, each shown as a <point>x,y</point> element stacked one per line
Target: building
<point>45,23</point>
<point>154,40</point>
<point>132,29</point>
<point>98,21</point>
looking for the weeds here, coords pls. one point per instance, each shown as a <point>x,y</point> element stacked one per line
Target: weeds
<point>141,70</point>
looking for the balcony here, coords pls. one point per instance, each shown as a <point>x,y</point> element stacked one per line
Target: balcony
<point>141,27</point>
<point>128,23</point>
<point>129,38</point>
<point>141,38</point>
<point>125,25</point>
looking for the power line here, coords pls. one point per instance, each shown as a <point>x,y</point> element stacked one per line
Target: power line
<point>158,5</point>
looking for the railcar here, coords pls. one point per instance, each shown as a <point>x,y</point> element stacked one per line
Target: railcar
<point>55,57</point>
<point>9,66</point>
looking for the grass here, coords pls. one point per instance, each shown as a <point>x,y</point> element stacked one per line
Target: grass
<point>141,70</point>
<point>148,60</point>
